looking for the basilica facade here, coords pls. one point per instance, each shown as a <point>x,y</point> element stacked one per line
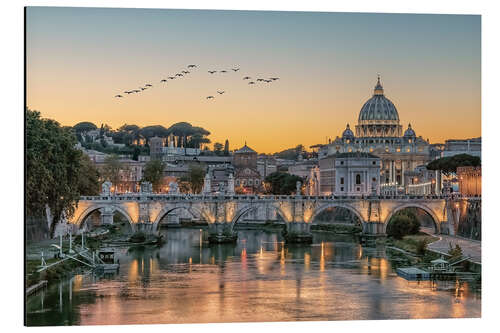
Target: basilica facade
<point>380,133</point>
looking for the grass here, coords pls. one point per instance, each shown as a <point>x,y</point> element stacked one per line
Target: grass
<point>413,243</point>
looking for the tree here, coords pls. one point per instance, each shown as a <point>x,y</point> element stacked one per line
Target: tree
<point>403,223</point>
<point>153,173</point>
<point>111,169</point>
<point>88,180</point>
<point>190,136</point>
<point>53,167</point>
<point>193,181</point>
<point>218,148</point>
<point>282,183</point>
<point>226,148</point>
<point>449,164</point>
<point>84,126</point>
<point>291,153</point>
<point>155,130</point>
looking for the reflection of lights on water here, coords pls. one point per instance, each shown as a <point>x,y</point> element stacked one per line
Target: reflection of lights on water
<point>307,261</point>
<point>322,258</point>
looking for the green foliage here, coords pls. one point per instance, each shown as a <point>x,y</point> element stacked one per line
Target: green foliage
<point>88,183</point>
<point>455,252</point>
<point>282,183</point>
<point>218,147</point>
<point>449,164</point>
<point>153,173</point>
<point>84,126</point>
<point>53,168</point>
<point>291,153</point>
<point>401,224</point>
<point>421,246</point>
<point>193,181</point>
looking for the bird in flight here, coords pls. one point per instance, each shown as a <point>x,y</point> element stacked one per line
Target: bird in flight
<point>251,82</point>
<point>274,78</point>
<point>118,96</point>
<point>223,71</point>
<point>164,80</point>
<point>191,66</point>
<point>185,72</point>
<point>210,97</point>
<point>147,85</point>
<point>246,78</point>
<point>221,92</point>
<point>136,91</point>
<point>178,74</point>
<point>171,77</point>
<point>260,80</point>
<point>142,88</point>
<point>128,92</point>
<point>267,81</point>
<point>211,72</point>
<point>235,69</point>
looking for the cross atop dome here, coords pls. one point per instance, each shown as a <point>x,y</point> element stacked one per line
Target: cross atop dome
<point>379,90</point>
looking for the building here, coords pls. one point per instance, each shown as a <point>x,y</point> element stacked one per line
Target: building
<point>467,146</point>
<point>220,176</point>
<point>354,174</point>
<point>423,182</point>
<point>469,180</point>
<point>380,133</point>
<point>247,178</point>
<point>266,165</point>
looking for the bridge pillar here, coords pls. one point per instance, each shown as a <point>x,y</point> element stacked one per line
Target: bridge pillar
<point>373,228</point>
<point>298,232</point>
<point>107,215</point>
<point>221,232</point>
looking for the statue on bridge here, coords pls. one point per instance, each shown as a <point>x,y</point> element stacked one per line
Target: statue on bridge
<point>230,185</point>
<point>298,188</point>
<point>146,187</point>
<point>207,186</point>
<point>106,188</point>
<point>173,188</point>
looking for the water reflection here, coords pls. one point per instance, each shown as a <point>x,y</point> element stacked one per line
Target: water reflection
<point>258,279</point>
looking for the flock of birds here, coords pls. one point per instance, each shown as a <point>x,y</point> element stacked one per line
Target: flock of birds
<point>184,73</point>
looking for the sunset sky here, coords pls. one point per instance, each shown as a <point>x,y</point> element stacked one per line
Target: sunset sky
<point>78,59</point>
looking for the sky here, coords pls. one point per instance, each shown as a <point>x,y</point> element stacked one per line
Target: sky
<point>78,59</point>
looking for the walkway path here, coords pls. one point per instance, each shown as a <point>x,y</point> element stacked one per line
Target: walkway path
<point>470,248</point>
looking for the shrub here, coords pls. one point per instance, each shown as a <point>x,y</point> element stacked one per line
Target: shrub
<point>400,226</point>
<point>421,246</point>
<point>455,252</point>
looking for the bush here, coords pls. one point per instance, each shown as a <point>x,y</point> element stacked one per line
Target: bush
<point>402,225</point>
<point>138,237</point>
<point>455,252</point>
<point>421,246</point>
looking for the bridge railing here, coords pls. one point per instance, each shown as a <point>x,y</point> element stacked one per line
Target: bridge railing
<point>262,197</point>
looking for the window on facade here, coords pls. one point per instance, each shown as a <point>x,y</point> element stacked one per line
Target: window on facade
<point>357,189</point>
<point>341,162</point>
<point>342,180</point>
<point>244,182</point>
<point>256,182</point>
<point>374,162</point>
<point>250,182</point>
<point>374,179</point>
<point>358,179</point>
<point>341,189</point>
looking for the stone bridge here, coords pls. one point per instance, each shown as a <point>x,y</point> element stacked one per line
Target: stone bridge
<point>222,212</point>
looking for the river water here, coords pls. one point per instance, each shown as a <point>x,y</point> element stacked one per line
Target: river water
<point>258,279</point>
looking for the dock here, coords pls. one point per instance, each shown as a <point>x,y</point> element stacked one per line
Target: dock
<point>413,273</point>
<point>34,288</point>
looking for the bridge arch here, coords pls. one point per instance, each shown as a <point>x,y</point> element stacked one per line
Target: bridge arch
<point>248,208</point>
<point>192,210</point>
<point>324,207</point>
<point>83,216</point>
<point>429,211</point>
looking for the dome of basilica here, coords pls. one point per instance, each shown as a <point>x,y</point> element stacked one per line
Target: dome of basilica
<point>347,134</point>
<point>378,107</point>
<point>410,132</point>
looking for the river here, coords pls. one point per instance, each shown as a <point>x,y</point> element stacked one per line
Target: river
<point>258,279</point>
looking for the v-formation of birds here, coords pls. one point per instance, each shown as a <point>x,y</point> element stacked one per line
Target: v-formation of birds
<point>184,73</point>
